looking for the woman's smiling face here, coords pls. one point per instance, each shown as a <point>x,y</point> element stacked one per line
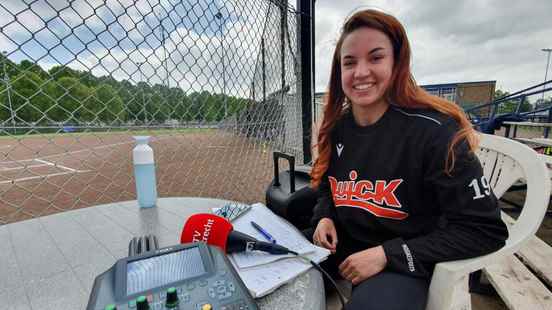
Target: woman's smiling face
<point>366,67</point>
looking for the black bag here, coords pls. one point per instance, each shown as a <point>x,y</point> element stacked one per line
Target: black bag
<point>289,194</point>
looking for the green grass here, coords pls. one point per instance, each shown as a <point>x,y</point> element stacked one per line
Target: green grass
<point>97,132</point>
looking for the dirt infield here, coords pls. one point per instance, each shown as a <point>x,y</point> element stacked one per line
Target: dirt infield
<point>48,174</point>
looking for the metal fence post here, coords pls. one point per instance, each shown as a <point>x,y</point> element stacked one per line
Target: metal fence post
<point>548,120</point>
<point>283,27</point>
<point>7,82</point>
<point>306,11</point>
<point>263,66</point>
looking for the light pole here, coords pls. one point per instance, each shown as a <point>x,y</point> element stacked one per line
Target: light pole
<point>7,81</point>
<point>142,91</point>
<point>219,17</point>
<point>547,50</point>
<point>165,55</point>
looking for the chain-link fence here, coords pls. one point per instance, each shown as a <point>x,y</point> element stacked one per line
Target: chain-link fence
<point>215,83</point>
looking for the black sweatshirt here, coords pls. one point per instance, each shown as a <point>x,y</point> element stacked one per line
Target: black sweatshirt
<point>386,185</point>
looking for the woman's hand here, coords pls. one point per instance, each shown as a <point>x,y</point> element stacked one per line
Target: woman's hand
<point>325,234</point>
<point>364,264</point>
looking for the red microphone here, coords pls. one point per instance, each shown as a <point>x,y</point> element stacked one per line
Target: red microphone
<point>208,228</point>
<point>215,230</point>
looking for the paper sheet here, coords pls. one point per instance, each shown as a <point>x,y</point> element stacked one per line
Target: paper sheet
<point>264,273</point>
<point>263,280</point>
<point>285,235</point>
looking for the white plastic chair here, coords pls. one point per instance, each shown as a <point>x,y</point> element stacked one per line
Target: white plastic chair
<point>504,162</point>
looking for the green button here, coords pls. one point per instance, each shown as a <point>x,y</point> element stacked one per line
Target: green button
<point>111,307</point>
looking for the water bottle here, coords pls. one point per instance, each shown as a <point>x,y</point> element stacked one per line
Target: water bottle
<point>144,172</point>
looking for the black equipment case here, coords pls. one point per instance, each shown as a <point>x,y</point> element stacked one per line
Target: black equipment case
<point>289,195</point>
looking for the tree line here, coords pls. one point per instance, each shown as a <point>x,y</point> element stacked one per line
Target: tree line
<point>31,95</point>
<point>510,106</point>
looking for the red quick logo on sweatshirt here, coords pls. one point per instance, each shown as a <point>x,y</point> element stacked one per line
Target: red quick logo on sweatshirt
<point>368,196</point>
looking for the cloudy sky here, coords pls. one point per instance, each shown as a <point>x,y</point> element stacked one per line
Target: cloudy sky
<point>452,41</point>
<point>140,40</point>
<point>455,41</point>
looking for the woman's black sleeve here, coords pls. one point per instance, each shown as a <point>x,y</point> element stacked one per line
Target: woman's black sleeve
<point>470,223</point>
<point>324,206</point>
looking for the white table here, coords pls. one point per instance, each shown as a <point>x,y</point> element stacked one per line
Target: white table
<point>51,262</point>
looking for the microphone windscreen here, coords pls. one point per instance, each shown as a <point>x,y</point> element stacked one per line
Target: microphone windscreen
<point>208,228</point>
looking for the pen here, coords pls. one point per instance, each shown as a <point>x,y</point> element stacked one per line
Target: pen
<point>263,232</point>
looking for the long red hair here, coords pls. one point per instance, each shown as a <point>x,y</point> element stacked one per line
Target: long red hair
<point>402,91</point>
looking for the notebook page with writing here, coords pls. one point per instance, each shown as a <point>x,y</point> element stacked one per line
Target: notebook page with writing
<point>264,279</point>
<point>284,233</point>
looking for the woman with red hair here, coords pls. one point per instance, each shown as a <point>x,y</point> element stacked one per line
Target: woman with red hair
<point>401,188</point>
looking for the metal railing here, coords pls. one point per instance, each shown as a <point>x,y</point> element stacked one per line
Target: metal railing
<point>527,104</point>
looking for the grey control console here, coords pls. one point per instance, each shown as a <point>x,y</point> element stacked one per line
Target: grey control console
<point>187,276</point>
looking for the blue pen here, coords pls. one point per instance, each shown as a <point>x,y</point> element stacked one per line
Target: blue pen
<point>263,232</point>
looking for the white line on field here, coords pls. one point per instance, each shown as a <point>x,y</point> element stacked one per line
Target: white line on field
<point>66,153</point>
<point>22,167</point>
<point>56,165</point>
<point>70,170</point>
<point>40,177</point>
<point>15,161</point>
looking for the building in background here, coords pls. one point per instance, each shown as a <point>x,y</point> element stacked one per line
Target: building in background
<point>465,94</point>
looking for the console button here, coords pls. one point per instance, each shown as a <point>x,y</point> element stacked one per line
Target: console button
<point>172,298</point>
<point>142,303</point>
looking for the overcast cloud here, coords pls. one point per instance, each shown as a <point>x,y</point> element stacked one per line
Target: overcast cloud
<point>452,41</point>
<point>455,41</point>
<point>124,39</point>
